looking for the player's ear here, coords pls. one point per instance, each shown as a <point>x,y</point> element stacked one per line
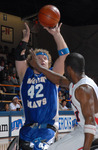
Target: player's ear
<point>70,70</point>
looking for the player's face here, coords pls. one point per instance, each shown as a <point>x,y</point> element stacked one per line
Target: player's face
<point>43,60</point>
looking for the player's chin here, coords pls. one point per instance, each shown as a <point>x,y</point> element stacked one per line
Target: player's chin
<point>44,65</point>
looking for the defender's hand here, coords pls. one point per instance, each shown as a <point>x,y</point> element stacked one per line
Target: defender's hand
<point>32,60</point>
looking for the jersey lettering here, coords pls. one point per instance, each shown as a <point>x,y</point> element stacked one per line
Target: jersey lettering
<point>44,101</point>
<point>36,104</point>
<point>38,94</point>
<point>34,81</point>
<point>31,91</point>
<point>40,87</point>
<point>39,103</point>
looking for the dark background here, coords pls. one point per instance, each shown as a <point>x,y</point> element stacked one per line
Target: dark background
<point>73,12</point>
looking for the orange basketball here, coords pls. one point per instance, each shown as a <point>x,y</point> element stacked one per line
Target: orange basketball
<point>49,16</point>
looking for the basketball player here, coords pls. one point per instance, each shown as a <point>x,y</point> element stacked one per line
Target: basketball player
<point>84,96</point>
<point>39,95</point>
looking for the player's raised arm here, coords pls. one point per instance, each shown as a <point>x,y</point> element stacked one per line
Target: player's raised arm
<point>21,64</point>
<point>51,75</point>
<point>62,48</point>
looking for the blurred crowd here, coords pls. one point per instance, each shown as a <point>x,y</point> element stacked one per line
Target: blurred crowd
<point>8,78</point>
<point>64,99</point>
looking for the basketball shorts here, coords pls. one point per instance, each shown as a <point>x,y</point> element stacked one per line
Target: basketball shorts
<point>36,139</point>
<point>71,141</point>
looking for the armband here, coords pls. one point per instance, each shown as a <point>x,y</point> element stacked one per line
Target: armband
<point>22,46</point>
<point>90,129</point>
<point>63,51</point>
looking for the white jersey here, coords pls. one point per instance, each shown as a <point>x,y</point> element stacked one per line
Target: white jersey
<point>75,139</point>
<point>75,103</point>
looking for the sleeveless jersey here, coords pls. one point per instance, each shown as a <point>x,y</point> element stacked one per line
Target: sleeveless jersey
<point>39,97</point>
<point>75,103</point>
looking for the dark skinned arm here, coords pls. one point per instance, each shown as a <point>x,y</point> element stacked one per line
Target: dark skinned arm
<point>52,76</point>
<point>84,95</point>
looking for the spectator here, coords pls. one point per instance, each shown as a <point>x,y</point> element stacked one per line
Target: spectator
<point>7,81</point>
<point>2,63</point>
<point>6,70</point>
<point>14,79</point>
<point>19,97</point>
<point>6,107</point>
<point>11,67</point>
<point>67,97</point>
<point>2,66</point>
<point>60,96</point>
<point>15,104</point>
<point>63,105</point>
<point>68,103</point>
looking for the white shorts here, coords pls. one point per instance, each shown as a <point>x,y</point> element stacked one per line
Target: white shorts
<point>71,141</point>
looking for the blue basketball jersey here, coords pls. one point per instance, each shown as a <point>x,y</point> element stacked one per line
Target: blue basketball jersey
<point>39,96</point>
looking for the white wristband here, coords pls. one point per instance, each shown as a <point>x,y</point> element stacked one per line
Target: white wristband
<point>88,128</point>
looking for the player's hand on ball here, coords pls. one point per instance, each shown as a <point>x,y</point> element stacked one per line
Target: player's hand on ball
<point>54,30</point>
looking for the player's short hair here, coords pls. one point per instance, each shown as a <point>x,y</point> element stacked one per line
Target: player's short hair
<point>76,61</point>
<point>47,53</point>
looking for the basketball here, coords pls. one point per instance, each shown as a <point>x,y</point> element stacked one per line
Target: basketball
<point>49,16</point>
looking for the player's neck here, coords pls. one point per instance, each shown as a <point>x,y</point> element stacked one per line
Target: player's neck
<point>78,77</point>
<point>36,72</point>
